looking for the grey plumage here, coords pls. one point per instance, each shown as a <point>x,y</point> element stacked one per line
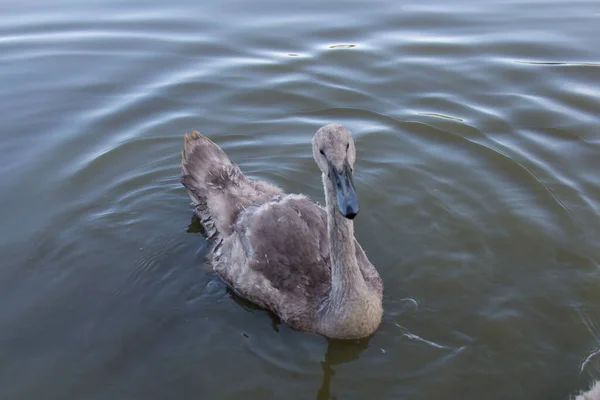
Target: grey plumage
<point>282,251</point>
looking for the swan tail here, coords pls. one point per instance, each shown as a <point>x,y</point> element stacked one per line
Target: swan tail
<point>210,178</point>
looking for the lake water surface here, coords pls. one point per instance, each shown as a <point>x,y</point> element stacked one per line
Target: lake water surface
<point>477,127</point>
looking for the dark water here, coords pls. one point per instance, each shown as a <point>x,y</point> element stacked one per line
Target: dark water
<point>478,133</point>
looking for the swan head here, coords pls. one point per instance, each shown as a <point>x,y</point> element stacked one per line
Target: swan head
<point>334,153</point>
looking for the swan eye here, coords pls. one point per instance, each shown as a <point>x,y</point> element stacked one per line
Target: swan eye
<point>321,151</point>
<point>347,146</point>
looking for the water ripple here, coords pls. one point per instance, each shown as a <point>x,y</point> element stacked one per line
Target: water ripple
<point>476,130</point>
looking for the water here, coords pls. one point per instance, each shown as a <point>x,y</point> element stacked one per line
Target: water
<point>477,129</point>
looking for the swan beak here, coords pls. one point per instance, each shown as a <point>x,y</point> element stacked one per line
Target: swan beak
<point>344,191</point>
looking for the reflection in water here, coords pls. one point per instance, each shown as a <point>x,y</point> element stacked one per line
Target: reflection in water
<point>442,116</point>
<point>338,352</point>
<point>593,392</point>
<point>249,306</point>
<point>581,64</point>
<point>342,46</point>
<point>195,226</point>
<point>594,329</point>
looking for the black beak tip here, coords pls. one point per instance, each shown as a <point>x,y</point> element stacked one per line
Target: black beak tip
<point>351,213</point>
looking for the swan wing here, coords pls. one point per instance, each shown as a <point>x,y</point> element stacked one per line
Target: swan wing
<point>279,259</point>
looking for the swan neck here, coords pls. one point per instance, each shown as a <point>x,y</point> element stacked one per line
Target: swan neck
<point>346,278</point>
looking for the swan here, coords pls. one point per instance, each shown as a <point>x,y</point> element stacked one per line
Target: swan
<point>282,251</point>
